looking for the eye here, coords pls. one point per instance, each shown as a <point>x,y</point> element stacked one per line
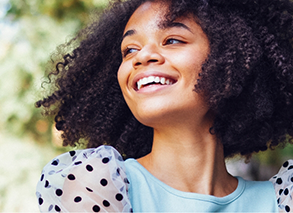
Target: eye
<point>173,41</point>
<point>128,50</point>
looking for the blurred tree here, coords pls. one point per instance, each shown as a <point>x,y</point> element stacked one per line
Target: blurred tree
<point>30,30</point>
<point>59,10</point>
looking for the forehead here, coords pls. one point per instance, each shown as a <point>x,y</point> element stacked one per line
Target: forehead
<point>152,12</point>
<point>151,16</point>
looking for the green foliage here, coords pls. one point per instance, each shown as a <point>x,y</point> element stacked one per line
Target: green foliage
<point>29,33</point>
<point>57,9</point>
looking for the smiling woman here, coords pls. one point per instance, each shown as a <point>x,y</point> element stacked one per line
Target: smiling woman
<point>198,81</point>
<point>174,52</point>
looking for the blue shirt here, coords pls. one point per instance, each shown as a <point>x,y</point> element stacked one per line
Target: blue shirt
<point>149,194</point>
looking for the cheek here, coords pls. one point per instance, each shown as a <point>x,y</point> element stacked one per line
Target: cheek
<point>119,77</point>
<point>122,77</point>
<point>190,66</point>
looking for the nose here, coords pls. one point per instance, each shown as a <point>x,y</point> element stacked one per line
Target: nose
<point>147,55</point>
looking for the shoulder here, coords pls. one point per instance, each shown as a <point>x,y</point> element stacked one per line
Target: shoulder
<point>88,179</point>
<point>283,184</point>
<point>260,194</point>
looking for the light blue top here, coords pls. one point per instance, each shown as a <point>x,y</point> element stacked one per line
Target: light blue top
<point>149,194</point>
<point>98,180</point>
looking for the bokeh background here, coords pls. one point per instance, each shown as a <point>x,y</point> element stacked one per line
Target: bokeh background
<point>30,30</point>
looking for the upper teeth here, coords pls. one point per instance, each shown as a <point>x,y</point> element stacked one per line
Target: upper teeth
<point>151,79</point>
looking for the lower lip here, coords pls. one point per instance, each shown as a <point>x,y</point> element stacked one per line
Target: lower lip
<point>153,88</point>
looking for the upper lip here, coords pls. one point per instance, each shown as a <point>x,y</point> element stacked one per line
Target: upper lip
<point>152,73</point>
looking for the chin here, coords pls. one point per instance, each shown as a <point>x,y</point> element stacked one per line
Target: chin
<point>151,119</point>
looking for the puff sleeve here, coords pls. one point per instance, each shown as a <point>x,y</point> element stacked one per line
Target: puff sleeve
<point>283,183</point>
<point>90,180</point>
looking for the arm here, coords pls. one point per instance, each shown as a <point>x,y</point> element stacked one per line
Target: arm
<point>90,180</point>
<point>283,183</point>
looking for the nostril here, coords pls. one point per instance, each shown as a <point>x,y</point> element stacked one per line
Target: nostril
<point>153,60</point>
<point>137,63</point>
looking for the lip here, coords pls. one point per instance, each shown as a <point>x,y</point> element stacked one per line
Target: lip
<point>152,73</point>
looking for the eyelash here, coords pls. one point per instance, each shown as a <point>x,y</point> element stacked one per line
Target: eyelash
<point>127,51</point>
<point>173,39</point>
<point>167,42</point>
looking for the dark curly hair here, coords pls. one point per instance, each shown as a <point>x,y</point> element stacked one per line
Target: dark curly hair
<point>247,78</point>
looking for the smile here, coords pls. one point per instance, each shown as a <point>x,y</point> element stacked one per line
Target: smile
<point>150,80</point>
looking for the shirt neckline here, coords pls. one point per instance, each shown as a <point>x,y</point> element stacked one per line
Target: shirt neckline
<point>190,195</point>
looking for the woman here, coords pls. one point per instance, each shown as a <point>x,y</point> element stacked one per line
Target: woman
<point>198,81</point>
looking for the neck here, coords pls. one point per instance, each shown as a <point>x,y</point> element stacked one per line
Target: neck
<point>189,160</point>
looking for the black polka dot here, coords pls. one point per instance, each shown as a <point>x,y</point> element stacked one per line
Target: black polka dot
<point>105,160</point>
<point>57,208</point>
<point>280,191</point>
<point>41,201</point>
<point>77,163</point>
<point>106,203</point>
<point>89,168</point>
<point>104,182</point>
<point>55,163</point>
<point>46,184</point>
<point>118,171</point>
<point>96,208</point>
<point>50,208</point>
<point>279,181</point>
<point>72,153</point>
<point>290,167</point>
<point>120,158</point>
<point>278,201</point>
<point>286,164</point>
<point>59,192</point>
<point>286,191</point>
<point>119,197</point>
<point>90,190</point>
<point>291,179</point>
<point>77,199</point>
<point>287,208</point>
<point>71,177</point>
<point>126,180</point>
<point>42,177</point>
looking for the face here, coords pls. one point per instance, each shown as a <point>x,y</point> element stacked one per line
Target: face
<point>160,66</point>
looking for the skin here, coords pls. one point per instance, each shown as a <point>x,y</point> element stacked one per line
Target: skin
<point>184,155</point>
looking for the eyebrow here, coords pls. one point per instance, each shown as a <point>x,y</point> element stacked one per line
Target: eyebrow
<point>128,33</point>
<point>168,25</point>
<point>161,26</point>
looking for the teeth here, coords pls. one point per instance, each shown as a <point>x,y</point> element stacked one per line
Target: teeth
<point>139,84</point>
<point>144,81</point>
<point>157,79</point>
<point>152,79</point>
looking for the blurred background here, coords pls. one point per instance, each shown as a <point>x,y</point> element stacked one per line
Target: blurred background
<point>30,30</point>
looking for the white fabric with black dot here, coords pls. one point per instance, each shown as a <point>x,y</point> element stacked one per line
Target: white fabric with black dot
<point>90,180</point>
<point>94,180</point>
<point>283,183</point>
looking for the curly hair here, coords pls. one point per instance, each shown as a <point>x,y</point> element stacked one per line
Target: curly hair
<point>247,77</point>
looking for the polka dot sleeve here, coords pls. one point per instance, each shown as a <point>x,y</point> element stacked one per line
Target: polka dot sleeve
<point>283,183</point>
<point>90,180</point>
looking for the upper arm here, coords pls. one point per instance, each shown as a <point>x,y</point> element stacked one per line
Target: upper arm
<point>91,180</point>
<point>283,183</point>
